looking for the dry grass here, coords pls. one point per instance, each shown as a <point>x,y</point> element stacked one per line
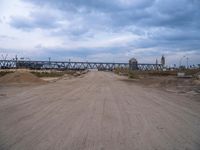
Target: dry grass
<point>48,74</point>
<point>2,73</point>
<point>137,74</point>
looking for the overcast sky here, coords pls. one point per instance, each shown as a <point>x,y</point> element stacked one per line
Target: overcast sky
<point>101,30</point>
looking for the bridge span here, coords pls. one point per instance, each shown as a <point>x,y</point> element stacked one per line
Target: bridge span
<point>68,65</point>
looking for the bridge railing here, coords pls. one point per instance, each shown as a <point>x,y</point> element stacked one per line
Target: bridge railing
<point>11,64</point>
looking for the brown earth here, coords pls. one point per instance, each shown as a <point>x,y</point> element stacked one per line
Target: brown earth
<point>20,77</point>
<point>99,111</point>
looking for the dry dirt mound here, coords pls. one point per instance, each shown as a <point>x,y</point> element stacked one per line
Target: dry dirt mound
<point>21,77</point>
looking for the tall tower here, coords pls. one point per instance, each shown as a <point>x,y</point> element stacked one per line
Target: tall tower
<point>156,64</point>
<point>163,60</point>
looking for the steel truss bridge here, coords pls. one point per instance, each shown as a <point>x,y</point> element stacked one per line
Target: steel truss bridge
<point>64,65</point>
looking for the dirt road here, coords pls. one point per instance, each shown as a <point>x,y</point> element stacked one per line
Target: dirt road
<point>99,111</point>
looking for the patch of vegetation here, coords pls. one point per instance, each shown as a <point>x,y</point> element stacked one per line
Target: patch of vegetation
<point>161,73</point>
<point>126,72</point>
<point>48,74</point>
<point>191,71</point>
<point>121,71</point>
<point>133,75</point>
<point>2,73</point>
<point>137,73</point>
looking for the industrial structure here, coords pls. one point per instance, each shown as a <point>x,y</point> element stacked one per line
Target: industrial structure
<point>133,64</point>
<point>68,65</point>
<point>163,60</point>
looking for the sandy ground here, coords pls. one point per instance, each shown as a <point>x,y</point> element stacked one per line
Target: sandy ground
<point>98,111</point>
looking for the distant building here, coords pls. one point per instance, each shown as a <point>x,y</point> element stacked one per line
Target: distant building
<point>163,60</point>
<point>156,61</point>
<point>133,64</point>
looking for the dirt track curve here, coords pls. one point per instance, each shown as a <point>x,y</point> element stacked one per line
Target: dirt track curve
<point>98,112</point>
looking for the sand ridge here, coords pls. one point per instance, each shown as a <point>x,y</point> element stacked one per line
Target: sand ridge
<point>20,77</point>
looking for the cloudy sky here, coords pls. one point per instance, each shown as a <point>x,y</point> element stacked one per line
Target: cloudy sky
<point>101,30</point>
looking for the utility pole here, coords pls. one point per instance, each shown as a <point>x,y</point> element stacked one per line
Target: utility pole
<point>16,61</point>
<point>181,61</point>
<point>156,64</point>
<point>49,62</point>
<point>187,62</point>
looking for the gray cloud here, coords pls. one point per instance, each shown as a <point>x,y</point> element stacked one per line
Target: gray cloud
<point>119,14</point>
<point>167,13</point>
<point>163,25</point>
<point>35,20</point>
<point>97,5</point>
